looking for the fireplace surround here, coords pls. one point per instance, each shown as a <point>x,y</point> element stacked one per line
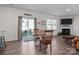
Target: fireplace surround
<point>66,30</point>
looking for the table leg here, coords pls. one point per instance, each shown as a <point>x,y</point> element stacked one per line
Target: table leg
<point>67,41</point>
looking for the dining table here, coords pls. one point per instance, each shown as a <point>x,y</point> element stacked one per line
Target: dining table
<point>68,39</point>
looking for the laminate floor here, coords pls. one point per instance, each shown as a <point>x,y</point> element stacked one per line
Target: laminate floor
<point>59,47</point>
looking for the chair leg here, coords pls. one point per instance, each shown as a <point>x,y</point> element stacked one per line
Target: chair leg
<point>45,48</point>
<point>40,46</point>
<point>50,47</point>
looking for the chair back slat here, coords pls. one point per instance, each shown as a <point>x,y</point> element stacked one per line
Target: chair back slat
<point>47,37</point>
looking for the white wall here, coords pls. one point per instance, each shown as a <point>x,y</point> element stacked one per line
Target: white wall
<point>76,25</point>
<point>59,23</point>
<point>9,21</point>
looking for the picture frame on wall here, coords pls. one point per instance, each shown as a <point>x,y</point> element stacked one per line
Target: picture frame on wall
<point>43,22</point>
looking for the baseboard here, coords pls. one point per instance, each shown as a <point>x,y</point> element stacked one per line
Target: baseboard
<point>11,40</point>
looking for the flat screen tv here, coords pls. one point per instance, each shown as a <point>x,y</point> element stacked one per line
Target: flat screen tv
<point>67,21</point>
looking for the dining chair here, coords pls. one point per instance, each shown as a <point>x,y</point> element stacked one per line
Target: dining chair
<point>75,42</point>
<point>36,37</point>
<point>47,40</point>
<point>2,40</point>
<point>38,34</point>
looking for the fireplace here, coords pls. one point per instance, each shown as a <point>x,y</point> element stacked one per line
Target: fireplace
<point>66,31</point>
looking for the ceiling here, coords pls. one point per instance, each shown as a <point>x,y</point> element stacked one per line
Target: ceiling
<point>50,9</point>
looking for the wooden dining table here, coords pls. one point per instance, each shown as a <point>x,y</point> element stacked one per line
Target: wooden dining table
<point>68,39</point>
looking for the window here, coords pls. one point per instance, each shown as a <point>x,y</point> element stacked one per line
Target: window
<point>52,24</point>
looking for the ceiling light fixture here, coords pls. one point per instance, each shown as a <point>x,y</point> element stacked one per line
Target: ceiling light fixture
<point>67,9</point>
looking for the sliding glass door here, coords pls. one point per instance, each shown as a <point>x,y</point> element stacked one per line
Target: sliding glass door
<point>27,28</point>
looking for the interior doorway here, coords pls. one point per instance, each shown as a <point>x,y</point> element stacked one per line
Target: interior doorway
<point>25,28</point>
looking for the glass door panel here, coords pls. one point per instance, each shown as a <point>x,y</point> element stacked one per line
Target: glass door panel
<point>27,28</point>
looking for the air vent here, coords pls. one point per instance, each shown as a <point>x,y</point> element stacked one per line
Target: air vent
<point>28,14</point>
<point>11,4</point>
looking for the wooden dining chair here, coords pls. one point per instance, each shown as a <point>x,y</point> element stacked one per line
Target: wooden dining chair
<point>35,32</point>
<point>75,42</point>
<point>47,40</point>
<point>38,34</point>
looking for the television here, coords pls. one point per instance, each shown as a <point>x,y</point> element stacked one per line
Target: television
<point>67,21</point>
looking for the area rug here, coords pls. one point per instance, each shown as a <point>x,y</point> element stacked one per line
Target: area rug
<point>27,38</point>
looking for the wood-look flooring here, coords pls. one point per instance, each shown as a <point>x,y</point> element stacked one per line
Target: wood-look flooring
<point>59,47</point>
